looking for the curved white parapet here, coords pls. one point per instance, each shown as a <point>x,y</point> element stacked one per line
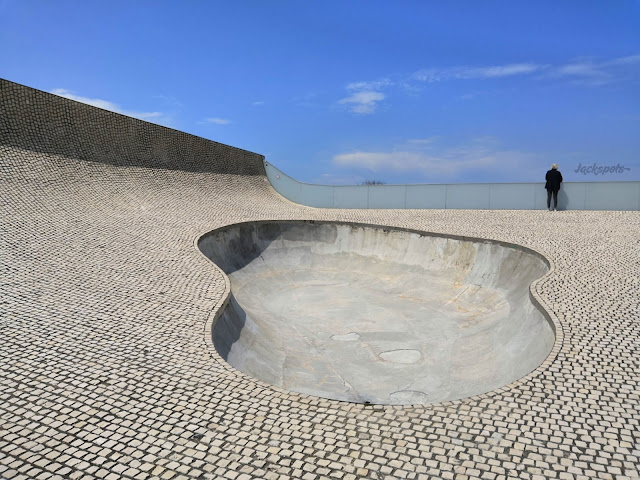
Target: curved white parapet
<point>483,196</point>
<point>377,315</point>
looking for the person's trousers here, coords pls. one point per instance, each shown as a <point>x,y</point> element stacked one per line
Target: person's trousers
<point>555,198</point>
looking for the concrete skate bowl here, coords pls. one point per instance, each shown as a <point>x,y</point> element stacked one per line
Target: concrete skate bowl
<point>376,315</point>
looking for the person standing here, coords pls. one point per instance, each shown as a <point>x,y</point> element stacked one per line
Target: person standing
<point>554,179</point>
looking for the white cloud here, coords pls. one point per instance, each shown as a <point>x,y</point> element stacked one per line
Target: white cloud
<point>218,121</point>
<point>431,75</point>
<point>366,95</point>
<point>156,117</point>
<point>257,103</point>
<point>581,71</point>
<point>588,72</point>
<point>404,161</point>
<point>364,102</point>
<point>479,155</point>
<point>630,60</point>
<point>500,71</point>
<point>371,85</point>
<point>584,73</point>
<point>584,70</point>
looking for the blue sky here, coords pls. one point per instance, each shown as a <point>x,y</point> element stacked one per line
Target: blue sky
<point>340,92</point>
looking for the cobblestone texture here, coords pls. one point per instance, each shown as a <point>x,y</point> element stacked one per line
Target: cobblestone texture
<point>106,368</point>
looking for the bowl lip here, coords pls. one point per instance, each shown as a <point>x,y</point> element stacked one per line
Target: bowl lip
<point>263,389</point>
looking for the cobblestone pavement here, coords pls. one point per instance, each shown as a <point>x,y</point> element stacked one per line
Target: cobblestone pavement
<point>106,306</point>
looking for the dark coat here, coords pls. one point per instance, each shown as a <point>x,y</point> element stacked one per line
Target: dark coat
<point>554,179</point>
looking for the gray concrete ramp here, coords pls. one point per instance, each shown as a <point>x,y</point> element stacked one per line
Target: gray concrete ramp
<point>377,315</point>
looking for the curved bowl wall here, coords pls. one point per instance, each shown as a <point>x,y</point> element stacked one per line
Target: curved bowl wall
<point>377,315</point>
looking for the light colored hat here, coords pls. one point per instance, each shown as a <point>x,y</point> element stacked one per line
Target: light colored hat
<point>554,166</point>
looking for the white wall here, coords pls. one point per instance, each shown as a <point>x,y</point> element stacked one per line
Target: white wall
<point>489,196</point>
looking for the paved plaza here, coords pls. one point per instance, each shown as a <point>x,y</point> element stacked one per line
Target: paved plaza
<point>107,366</point>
